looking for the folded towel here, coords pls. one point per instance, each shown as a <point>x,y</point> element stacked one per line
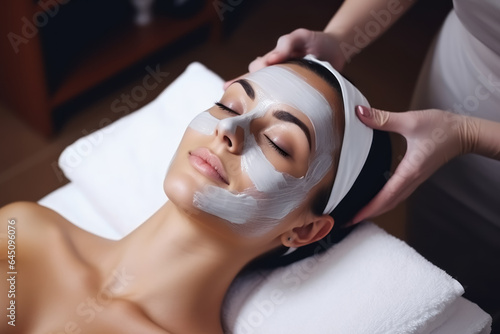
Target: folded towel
<point>466,318</point>
<point>369,283</point>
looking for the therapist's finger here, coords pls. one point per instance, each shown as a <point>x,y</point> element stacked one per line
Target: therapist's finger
<point>383,120</point>
<point>270,58</point>
<point>292,45</point>
<point>288,46</point>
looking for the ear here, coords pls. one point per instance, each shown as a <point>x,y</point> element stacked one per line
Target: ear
<point>309,233</point>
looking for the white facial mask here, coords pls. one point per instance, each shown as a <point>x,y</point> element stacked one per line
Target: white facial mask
<point>258,209</point>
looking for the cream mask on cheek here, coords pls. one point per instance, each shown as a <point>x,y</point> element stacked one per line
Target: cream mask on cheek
<point>274,195</point>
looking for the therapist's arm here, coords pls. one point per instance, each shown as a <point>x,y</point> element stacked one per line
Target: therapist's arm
<point>433,137</point>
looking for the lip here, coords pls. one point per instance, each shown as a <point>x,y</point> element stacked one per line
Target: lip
<point>208,164</point>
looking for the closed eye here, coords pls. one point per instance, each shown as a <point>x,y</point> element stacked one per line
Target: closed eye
<point>225,108</point>
<point>276,147</point>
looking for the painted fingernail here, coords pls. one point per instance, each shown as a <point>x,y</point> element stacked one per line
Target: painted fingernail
<point>364,111</point>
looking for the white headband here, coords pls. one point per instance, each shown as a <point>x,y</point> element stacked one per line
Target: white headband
<point>357,139</point>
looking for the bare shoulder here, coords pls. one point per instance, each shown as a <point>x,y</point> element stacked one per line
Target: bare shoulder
<point>27,221</point>
<point>17,207</point>
<point>28,215</point>
<point>21,210</point>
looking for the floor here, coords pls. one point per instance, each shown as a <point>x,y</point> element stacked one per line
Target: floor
<point>386,72</point>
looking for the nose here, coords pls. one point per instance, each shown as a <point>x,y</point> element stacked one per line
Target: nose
<point>231,132</point>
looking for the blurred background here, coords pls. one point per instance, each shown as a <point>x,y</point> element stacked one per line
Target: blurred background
<point>66,63</point>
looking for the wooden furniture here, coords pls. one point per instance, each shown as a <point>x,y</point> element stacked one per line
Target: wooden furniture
<point>54,50</point>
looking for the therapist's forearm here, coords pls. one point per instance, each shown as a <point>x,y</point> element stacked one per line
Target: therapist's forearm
<point>484,137</point>
<point>358,23</point>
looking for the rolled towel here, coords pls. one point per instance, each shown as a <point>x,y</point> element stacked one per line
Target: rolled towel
<point>369,283</point>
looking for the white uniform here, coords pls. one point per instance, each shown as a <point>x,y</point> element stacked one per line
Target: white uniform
<point>454,218</point>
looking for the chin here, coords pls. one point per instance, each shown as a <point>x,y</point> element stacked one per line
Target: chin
<point>180,188</point>
<point>179,191</point>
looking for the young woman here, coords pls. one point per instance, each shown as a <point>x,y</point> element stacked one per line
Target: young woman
<point>273,165</point>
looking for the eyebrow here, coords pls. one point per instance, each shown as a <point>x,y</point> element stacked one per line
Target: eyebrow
<point>279,114</point>
<point>287,117</point>
<point>247,87</point>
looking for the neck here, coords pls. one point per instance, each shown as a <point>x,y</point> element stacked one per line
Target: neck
<point>178,269</point>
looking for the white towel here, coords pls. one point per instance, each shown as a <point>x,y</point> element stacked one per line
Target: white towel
<point>369,283</point>
<point>466,318</point>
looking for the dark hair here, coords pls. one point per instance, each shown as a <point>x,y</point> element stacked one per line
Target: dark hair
<point>370,181</point>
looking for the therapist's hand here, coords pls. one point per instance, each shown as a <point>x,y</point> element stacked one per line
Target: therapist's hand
<point>300,43</point>
<point>433,137</point>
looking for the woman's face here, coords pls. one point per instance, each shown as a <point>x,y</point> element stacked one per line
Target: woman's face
<point>259,154</point>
